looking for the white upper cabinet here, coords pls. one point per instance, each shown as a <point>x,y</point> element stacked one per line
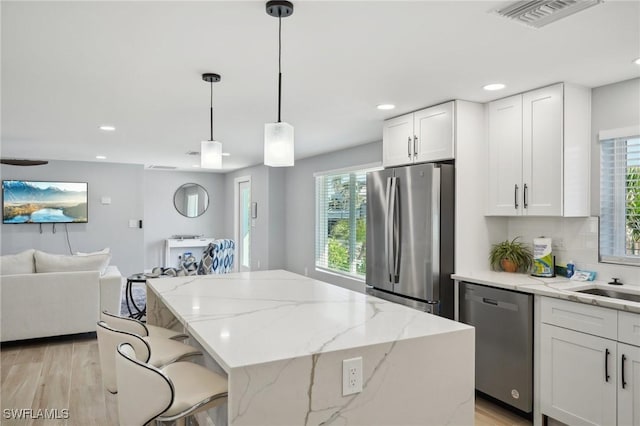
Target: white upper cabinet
<point>539,153</point>
<point>433,129</point>
<point>397,141</point>
<point>421,136</point>
<point>542,152</point>
<point>505,154</point>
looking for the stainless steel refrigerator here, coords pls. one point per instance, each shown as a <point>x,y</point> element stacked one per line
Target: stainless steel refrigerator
<point>410,236</point>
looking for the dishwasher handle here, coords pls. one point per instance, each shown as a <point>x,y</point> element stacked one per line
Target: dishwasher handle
<point>493,303</point>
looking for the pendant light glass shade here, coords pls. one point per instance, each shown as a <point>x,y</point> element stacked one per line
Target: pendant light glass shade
<point>278,144</point>
<point>210,155</point>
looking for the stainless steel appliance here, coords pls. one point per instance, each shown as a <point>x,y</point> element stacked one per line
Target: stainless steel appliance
<point>410,218</point>
<point>504,342</point>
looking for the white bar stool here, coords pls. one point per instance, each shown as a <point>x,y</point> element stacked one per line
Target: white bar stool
<point>156,351</point>
<point>169,394</point>
<point>138,327</point>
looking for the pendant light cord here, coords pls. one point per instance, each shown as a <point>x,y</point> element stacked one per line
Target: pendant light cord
<point>211,110</point>
<point>279,62</point>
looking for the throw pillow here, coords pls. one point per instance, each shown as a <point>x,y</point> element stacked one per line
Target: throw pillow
<point>46,262</point>
<point>105,250</point>
<point>21,263</point>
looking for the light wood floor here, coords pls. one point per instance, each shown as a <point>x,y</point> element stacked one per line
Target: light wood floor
<point>66,375</point>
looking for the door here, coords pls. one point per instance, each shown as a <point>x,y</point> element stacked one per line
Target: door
<point>629,385</point>
<point>243,223</point>
<point>418,206</point>
<point>379,254</point>
<point>433,128</point>
<point>505,157</point>
<point>397,141</point>
<point>578,381</point>
<point>542,178</point>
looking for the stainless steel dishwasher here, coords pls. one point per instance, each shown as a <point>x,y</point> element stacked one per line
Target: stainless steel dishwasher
<point>504,342</point>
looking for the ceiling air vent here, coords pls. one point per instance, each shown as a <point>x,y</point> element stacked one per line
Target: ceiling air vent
<point>162,167</point>
<point>538,13</point>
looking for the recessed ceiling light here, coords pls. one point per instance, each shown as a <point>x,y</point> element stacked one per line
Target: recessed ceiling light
<point>385,106</point>
<point>494,86</point>
<point>107,128</point>
<point>637,61</point>
<point>101,157</point>
<point>225,154</point>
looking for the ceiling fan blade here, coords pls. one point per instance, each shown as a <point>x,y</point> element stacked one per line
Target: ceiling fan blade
<point>17,162</point>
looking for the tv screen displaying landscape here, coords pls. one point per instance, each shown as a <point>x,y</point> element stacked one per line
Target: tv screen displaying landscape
<point>44,202</point>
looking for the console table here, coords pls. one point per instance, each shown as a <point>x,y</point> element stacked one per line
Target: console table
<point>176,247</point>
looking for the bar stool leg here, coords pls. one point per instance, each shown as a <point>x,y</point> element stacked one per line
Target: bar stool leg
<point>128,295</point>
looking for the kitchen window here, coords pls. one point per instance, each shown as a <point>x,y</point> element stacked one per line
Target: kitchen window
<point>620,196</point>
<point>341,215</point>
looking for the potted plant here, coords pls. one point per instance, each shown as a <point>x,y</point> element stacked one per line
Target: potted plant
<point>511,256</point>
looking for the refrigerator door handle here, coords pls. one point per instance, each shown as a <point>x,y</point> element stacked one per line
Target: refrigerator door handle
<point>435,232</point>
<point>396,232</point>
<point>388,252</point>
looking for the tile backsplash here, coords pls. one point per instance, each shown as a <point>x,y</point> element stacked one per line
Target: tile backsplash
<point>573,239</point>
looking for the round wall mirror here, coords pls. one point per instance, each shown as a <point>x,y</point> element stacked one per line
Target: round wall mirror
<point>191,200</point>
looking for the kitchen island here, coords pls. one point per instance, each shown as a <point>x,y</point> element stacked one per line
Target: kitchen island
<point>281,339</point>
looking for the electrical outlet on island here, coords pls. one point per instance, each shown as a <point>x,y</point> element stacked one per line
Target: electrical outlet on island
<point>351,376</point>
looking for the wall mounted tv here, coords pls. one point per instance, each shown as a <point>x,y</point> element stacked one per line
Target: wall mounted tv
<point>26,201</point>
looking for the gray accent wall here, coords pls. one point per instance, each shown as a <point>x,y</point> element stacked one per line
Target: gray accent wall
<point>267,250</point>
<point>162,220</point>
<point>613,106</point>
<point>300,209</point>
<point>108,224</point>
<point>136,194</point>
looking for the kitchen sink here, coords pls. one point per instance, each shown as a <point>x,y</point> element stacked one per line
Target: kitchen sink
<point>614,294</point>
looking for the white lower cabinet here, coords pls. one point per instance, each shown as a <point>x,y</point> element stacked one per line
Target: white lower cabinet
<point>587,379</point>
<point>629,389</point>
<point>574,386</point>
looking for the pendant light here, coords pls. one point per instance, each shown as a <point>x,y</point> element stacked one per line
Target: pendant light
<point>278,137</point>
<point>211,150</point>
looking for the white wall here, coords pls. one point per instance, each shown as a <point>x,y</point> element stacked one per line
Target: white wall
<point>474,231</point>
<point>613,106</point>
<point>108,224</point>
<point>300,200</point>
<point>161,219</point>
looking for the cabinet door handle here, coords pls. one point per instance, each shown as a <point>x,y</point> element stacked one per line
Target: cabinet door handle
<point>515,196</point>
<point>606,365</point>
<point>624,384</point>
<point>409,147</point>
<point>524,195</point>
<point>415,146</point>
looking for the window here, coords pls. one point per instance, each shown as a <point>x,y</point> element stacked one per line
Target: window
<point>341,222</point>
<point>620,196</point>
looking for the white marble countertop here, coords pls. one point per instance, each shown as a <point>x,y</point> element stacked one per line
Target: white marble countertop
<point>250,318</point>
<point>558,287</point>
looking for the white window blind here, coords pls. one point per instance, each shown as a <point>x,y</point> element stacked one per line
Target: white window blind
<point>620,200</point>
<point>341,210</point>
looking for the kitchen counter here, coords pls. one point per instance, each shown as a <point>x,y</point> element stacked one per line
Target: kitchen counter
<point>558,287</point>
<point>281,339</point>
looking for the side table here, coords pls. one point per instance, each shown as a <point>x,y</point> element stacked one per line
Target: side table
<point>140,312</point>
